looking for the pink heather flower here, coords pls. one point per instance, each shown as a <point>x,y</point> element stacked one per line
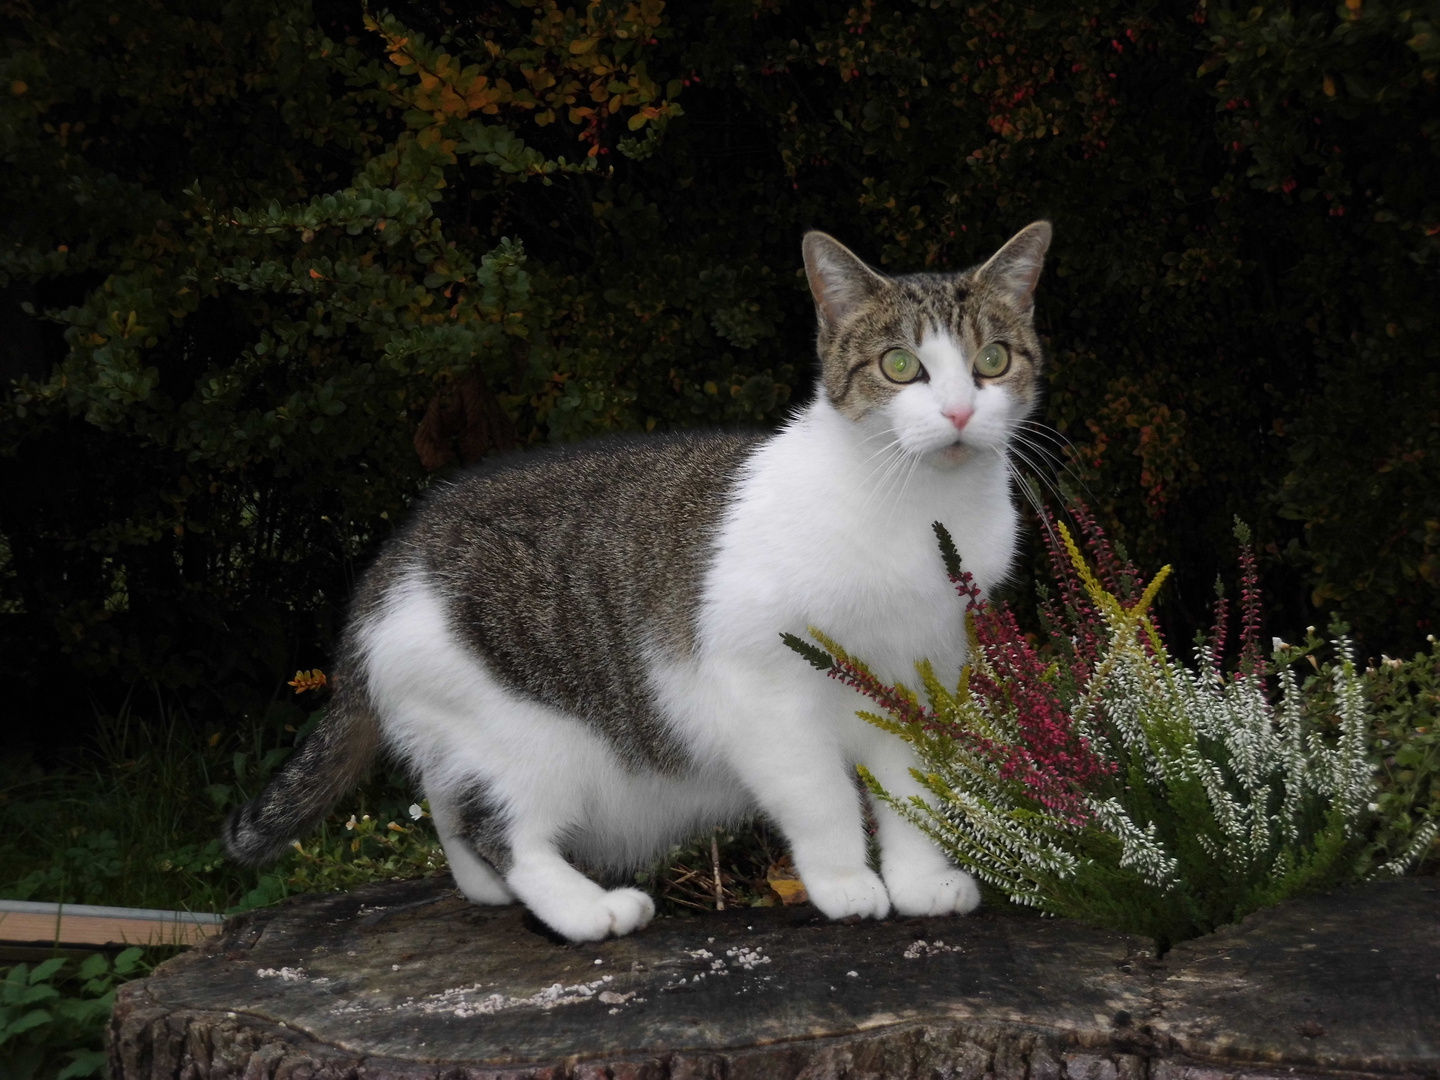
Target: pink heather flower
<point>1251,661</point>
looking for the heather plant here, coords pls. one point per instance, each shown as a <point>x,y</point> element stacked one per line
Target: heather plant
<point>1101,778</point>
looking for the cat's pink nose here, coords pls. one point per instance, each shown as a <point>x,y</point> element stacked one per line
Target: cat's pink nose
<point>959,415</point>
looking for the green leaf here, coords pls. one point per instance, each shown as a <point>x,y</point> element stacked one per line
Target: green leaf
<point>47,969</point>
<point>818,657</point>
<point>27,1022</point>
<point>129,960</point>
<point>948,551</point>
<point>85,1063</point>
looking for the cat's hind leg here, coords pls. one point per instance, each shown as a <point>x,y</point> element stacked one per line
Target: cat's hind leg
<point>460,823</point>
<point>503,838</point>
<point>481,843</point>
<point>570,903</point>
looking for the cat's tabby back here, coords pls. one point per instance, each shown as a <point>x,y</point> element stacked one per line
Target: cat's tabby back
<point>576,650</point>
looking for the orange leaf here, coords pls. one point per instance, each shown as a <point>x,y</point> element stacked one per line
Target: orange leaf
<point>316,274</point>
<point>451,102</point>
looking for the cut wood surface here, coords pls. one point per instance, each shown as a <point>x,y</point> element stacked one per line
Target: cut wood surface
<point>27,922</point>
<point>408,980</point>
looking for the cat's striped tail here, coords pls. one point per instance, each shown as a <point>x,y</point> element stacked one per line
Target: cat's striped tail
<point>327,765</point>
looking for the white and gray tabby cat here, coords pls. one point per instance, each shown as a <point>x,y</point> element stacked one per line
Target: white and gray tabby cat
<point>577,650</point>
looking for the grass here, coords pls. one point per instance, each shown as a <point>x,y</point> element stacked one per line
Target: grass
<point>135,822</point>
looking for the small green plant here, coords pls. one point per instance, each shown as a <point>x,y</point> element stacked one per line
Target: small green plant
<point>53,1016</point>
<point>1405,750</point>
<point>1107,781</point>
<point>364,851</point>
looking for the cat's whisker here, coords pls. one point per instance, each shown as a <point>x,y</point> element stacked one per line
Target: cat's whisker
<point>1020,482</point>
<point>909,473</point>
<point>1040,477</point>
<point>888,446</point>
<point>1044,428</point>
<point>1038,484</point>
<point>877,478</point>
<point>1054,463</point>
<point>896,468</point>
<point>887,455</point>
<point>1031,497</point>
<point>880,434</point>
<point>1028,454</point>
<point>1064,457</point>
<point>1055,444</point>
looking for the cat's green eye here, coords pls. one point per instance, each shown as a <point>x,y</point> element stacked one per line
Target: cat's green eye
<point>992,360</point>
<point>900,365</point>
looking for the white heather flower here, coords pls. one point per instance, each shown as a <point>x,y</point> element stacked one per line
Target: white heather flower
<point>1276,644</point>
<point>415,812</point>
<point>351,823</point>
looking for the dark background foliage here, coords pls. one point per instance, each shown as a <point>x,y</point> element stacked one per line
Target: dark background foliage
<point>271,267</point>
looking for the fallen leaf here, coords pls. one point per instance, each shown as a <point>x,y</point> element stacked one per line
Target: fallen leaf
<point>785,884</point>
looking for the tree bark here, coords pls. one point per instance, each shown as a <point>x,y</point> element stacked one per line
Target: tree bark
<point>407,981</point>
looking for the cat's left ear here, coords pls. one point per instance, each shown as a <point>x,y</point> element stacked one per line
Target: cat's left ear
<point>1015,268</point>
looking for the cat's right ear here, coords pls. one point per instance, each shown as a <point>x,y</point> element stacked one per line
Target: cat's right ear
<point>839,281</point>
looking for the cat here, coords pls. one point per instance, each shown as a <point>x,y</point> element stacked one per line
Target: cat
<point>576,650</point>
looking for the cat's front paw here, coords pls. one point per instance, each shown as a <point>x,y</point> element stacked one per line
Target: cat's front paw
<point>933,891</point>
<point>842,894</point>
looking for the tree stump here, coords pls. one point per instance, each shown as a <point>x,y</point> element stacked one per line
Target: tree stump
<point>406,981</point>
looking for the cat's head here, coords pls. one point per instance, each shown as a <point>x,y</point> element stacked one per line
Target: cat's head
<point>948,363</point>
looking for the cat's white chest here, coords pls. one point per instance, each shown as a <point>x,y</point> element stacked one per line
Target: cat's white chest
<point>813,540</point>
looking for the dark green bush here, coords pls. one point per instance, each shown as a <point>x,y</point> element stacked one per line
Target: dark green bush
<point>267,267</point>
<point>53,1016</point>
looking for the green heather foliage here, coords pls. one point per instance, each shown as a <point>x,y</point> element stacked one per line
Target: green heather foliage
<point>270,264</point>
